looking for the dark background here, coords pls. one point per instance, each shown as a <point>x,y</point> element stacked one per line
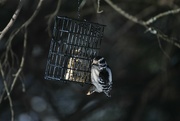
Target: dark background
<point>145,80</point>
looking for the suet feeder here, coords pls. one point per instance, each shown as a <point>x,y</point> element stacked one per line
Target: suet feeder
<point>74,43</point>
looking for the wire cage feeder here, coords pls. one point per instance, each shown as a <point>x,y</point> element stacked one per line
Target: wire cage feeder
<point>74,43</point>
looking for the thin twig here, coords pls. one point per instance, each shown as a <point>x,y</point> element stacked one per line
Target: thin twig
<point>11,22</point>
<point>35,13</point>
<point>136,20</point>
<point>82,4</point>
<point>153,19</point>
<point>98,6</point>
<point>27,23</point>
<point>51,17</point>
<point>167,39</point>
<point>7,92</point>
<point>8,47</point>
<point>125,14</point>
<point>164,52</point>
<point>146,23</point>
<point>22,61</point>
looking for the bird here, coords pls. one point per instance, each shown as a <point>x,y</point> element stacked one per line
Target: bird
<point>101,77</point>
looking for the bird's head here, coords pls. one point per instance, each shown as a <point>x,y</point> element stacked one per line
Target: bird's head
<point>100,61</point>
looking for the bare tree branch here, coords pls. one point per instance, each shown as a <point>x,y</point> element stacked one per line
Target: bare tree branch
<point>26,24</point>
<point>164,52</point>
<point>125,14</point>
<point>7,92</point>
<point>22,61</point>
<point>155,18</point>
<point>136,20</point>
<point>11,22</point>
<point>98,7</point>
<point>51,17</point>
<point>5,64</point>
<point>146,23</point>
<point>34,14</point>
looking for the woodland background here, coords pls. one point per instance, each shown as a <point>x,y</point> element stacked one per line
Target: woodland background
<point>145,63</point>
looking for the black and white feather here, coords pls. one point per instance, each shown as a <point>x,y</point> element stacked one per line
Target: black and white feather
<point>101,77</point>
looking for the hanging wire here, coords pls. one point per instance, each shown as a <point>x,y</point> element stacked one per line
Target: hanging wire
<point>78,11</point>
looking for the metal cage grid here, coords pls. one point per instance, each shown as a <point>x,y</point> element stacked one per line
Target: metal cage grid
<point>73,45</point>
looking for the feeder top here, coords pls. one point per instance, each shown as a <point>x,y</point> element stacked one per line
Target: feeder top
<point>67,18</point>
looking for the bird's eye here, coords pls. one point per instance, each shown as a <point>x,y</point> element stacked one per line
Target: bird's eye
<point>102,61</point>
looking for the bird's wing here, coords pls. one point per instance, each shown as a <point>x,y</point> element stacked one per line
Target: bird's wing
<point>106,80</point>
<point>104,77</point>
<point>110,74</point>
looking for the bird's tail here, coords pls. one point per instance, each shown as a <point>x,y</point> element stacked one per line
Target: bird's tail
<point>108,94</point>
